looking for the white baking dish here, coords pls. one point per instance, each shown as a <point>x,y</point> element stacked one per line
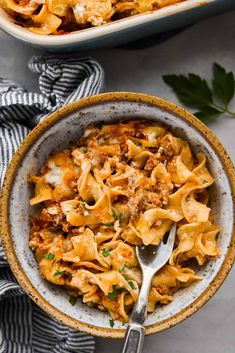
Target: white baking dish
<point>121,31</point>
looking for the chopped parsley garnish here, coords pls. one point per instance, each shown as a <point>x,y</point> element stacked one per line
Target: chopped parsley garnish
<point>83,204</point>
<point>114,293</point>
<point>72,300</point>
<point>111,323</point>
<point>123,217</point>
<point>114,214</point>
<point>58,272</point>
<point>106,253</point>
<point>108,224</point>
<point>131,284</point>
<point>122,268</point>
<point>49,256</point>
<point>84,150</point>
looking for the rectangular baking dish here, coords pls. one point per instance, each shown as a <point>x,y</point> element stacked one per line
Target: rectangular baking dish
<point>124,30</point>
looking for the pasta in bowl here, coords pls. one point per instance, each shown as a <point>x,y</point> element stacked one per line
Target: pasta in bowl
<point>122,185</point>
<point>75,236</point>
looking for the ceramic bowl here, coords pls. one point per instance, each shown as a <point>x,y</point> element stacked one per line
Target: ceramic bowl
<point>121,31</point>
<point>57,132</point>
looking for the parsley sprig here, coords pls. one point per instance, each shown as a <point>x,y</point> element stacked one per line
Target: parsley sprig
<point>195,92</point>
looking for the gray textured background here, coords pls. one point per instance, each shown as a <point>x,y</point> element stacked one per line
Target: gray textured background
<point>212,329</point>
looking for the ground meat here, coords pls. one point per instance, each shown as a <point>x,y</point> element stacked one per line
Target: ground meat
<point>151,200</point>
<point>148,196</point>
<point>151,163</point>
<point>52,214</point>
<point>163,289</point>
<point>171,166</point>
<point>167,147</point>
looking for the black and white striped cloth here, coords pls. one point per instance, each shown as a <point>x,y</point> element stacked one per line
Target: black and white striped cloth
<point>24,327</point>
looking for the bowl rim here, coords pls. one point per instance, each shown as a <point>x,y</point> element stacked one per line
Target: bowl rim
<point>18,157</point>
<point>9,26</point>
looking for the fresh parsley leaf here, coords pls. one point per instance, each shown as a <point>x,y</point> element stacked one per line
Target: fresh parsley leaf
<point>192,90</point>
<point>223,84</point>
<point>208,113</point>
<point>123,323</point>
<point>72,300</point>
<point>195,92</point>
<point>111,323</point>
<point>49,256</point>
<point>114,293</point>
<point>131,284</point>
<point>58,272</point>
<point>106,253</point>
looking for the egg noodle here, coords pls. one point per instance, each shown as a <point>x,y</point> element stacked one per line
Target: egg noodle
<point>121,185</point>
<point>64,16</point>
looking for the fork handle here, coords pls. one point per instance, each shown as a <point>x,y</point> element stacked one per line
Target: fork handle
<point>134,338</point>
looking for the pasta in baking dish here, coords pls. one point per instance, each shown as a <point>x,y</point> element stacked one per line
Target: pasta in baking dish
<point>64,16</point>
<point>121,185</point>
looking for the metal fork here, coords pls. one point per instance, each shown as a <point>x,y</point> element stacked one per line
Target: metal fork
<point>151,259</point>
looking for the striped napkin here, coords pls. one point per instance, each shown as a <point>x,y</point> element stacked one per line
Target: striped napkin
<point>24,327</point>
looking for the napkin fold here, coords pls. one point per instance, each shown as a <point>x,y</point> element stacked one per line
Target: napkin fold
<point>24,327</point>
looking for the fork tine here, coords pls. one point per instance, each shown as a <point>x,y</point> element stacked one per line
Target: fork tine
<point>164,250</point>
<point>152,256</point>
<point>171,238</point>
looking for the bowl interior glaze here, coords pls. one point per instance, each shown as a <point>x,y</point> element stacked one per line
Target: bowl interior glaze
<point>67,128</point>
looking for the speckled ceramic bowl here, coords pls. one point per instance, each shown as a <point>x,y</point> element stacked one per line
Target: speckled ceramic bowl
<point>57,132</point>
